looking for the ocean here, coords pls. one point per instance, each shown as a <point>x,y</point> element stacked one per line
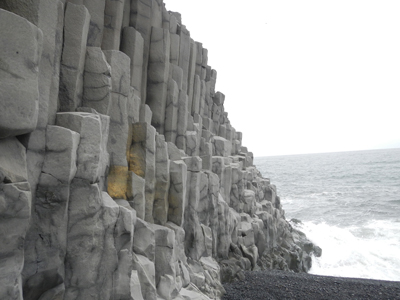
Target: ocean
<point>349,205</point>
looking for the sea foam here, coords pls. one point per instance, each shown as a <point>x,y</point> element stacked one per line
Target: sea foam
<point>371,251</point>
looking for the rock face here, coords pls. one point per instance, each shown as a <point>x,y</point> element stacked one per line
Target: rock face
<point>19,74</point>
<point>121,176</point>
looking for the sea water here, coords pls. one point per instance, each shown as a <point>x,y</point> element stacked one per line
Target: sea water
<point>349,205</point>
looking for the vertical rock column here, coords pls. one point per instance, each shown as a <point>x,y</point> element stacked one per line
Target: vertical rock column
<point>194,236</point>
<point>22,86</point>
<point>132,44</point>
<point>76,28</point>
<point>158,72</point>
<point>93,158</point>
<point>92,215</point>
<point>96,25</point>
<point>47,15</point>
<point>142,162</point>
<point>44,269</point>
<point>182,120</point>
<point>123,239</point>
<point>184,55</point>
<point>90,265</point>
<point>177,192</point>
<point>160,208</point>
<point>165,260</point>
<point>15,199</point>
<point>141,20</point>
<point>113,17</point>
<point>20,57</point>
<point>171,112</point>
<point>97,81</point>
<point>213,194</point>
<point>144,258</point>
<point>119,125</point>
<point>191,74</point>
<point>51,22</point>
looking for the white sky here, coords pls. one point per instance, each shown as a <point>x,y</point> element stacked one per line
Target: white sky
<point>304,76</point>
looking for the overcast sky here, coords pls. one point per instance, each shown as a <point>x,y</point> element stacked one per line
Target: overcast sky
<point>304,76</point>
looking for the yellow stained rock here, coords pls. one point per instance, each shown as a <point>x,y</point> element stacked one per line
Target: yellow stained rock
<point>118,182</point>
<point>137,160</point>
<point>129,143</point>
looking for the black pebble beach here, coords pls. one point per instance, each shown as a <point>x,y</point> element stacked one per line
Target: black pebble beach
<point>277,285</point>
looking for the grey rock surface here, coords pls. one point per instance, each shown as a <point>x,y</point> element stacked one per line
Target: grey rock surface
<point>97,81</point>
<point>121,175</point>
<point>142,161</point>
<point>171,112</point>
<point>161,189</point>
<point>96,26</point>
<point>158,72</point>
<point>113,17</point>
<point>20,57</point>
<point>92,155</point>
<point>76,28</point>
<point>15,199</point>
<point>132,44</point>
<point>92,217</point>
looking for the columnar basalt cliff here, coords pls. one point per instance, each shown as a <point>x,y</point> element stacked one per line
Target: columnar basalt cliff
<point>121,176</point>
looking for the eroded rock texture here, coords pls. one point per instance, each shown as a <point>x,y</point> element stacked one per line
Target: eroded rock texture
<point>121,176</point>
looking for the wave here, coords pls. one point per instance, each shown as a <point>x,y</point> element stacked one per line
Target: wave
<point>370,251</point>
<point>338,196</point>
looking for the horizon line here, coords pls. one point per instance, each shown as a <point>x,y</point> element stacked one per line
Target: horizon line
<point>327,152</point>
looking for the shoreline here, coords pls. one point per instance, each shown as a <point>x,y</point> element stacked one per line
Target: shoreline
<point>275,284</point>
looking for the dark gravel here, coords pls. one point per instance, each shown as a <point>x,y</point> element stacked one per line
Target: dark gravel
<point>271,285</point>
